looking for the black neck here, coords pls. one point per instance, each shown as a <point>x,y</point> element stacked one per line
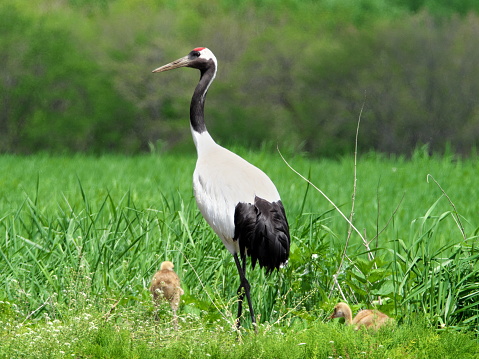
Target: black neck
<point>197,117</point>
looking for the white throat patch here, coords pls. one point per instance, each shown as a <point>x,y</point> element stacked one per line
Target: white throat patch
<point>208,55</point>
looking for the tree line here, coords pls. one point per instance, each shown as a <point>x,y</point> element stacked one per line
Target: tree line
<point>76,75</point>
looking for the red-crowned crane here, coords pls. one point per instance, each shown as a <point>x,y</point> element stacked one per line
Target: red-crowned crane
<point>237,199</point>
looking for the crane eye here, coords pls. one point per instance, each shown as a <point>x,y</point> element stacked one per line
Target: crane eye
<point>194,54</point>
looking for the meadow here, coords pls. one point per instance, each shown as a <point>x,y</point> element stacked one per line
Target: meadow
<point>82,236</point>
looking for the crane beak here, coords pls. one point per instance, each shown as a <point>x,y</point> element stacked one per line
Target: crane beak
<point>182,62</point>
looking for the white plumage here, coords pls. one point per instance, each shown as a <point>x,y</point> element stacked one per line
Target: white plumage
<point>221,180</point>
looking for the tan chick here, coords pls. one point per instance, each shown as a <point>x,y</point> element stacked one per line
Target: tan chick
<point>165,285</point>
<point>367,318</point>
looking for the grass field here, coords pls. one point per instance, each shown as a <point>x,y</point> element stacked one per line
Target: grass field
<point>82,236</point>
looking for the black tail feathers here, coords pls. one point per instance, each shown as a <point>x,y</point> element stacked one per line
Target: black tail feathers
<point>263,233</point>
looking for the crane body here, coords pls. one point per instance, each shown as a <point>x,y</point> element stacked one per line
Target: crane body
<point>237,199</point>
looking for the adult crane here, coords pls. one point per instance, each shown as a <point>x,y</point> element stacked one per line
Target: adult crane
<point>237,199</point>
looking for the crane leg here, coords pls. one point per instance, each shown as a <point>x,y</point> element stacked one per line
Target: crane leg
<point>241,290</point>
<point>244,289</point>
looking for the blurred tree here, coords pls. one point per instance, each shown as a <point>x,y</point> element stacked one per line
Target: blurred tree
<point>423,84</point>
<point>439,7</point>
<point>75,75</point>
<point>418,79</point>
<point>54,97</point>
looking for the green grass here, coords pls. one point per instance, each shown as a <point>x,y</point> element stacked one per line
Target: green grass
<point>131,335</point>
<point>82,236</point>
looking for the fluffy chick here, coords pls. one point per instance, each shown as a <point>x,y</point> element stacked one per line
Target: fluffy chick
<point>365,318</point>
<point>165,285</point>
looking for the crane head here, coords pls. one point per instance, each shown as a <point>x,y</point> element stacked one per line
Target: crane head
<point>200,58</point>
<point>167,265</point>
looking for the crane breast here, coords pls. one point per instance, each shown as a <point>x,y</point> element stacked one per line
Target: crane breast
<point>221,181</point>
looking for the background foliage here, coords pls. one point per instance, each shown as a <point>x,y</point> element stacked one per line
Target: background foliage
<point>76,75</point>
